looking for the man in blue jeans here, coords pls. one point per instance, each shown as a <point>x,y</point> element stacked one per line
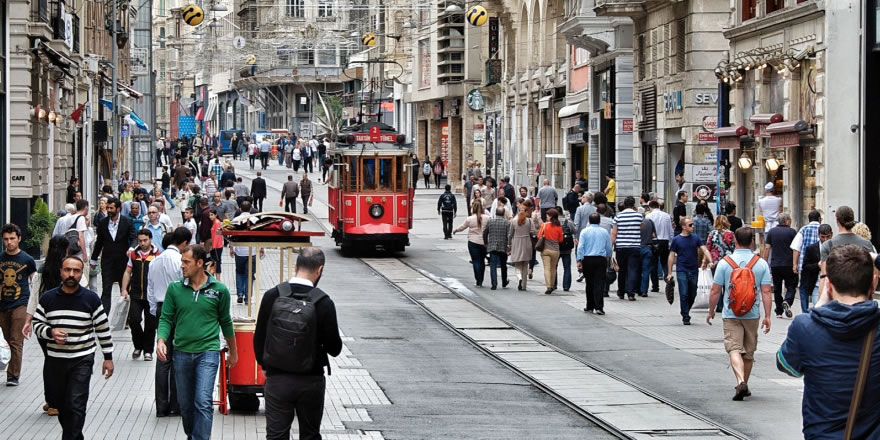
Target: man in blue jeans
<point>197,308</point>
<point>241,254</point>
<point>686,247</point>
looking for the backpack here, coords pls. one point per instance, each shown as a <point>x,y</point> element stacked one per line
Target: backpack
<point>72,236</point>
<point>292,336</point>
<point>567,238</point>
<point>447,202</point>
<point>426,169</point>
<point>741,287</point>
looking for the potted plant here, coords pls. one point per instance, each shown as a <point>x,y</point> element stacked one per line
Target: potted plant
<point>39,227</point>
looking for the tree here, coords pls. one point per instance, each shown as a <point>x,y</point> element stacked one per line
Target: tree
<point>329,115</point>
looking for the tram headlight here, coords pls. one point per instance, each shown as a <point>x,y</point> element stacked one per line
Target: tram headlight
<point>376,211</point>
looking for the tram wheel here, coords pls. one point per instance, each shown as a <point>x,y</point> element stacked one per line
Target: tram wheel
<point>243,402</point>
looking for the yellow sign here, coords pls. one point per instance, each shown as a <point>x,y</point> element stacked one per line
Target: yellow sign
<point>193,15</point>
<point>477,15</point>
<point>369,39</point>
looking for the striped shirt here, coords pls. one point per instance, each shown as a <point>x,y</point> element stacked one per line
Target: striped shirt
<point>629,229</point>
<point>81,314</point>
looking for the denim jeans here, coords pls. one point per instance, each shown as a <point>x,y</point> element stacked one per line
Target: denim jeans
<point>647,256</point>
<point>478,259</point>
<point>241,272</point>
<point>783,275</point>
<point>167,194</point>
<point>565,257</point>
<point>195,374</point>
<point>687,292</point>
<point>496,260</point>
<point>808,296</point>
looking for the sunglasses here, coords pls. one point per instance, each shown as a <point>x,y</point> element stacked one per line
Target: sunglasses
<point>689,225</point>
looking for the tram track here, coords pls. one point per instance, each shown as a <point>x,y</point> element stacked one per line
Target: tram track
<point>433,296</point>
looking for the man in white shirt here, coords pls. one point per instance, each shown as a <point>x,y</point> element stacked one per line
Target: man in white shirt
<point>63,223</point>
<point>663,228</point>
<point>265,148</point>
<point>770,206</point>
<point>189,222</point>
<point>164,270</point>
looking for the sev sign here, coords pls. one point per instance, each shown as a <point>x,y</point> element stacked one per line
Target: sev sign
<point>783,140</point>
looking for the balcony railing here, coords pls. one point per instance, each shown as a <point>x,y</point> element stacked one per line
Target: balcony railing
<point>76,33</point>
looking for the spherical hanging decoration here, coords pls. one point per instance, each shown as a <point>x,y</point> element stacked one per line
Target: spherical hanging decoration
<point>477,15</point>
<point>368,39</point>
<point>193,15</point>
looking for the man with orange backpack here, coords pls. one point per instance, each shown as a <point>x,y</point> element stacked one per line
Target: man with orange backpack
<point>739,275</point>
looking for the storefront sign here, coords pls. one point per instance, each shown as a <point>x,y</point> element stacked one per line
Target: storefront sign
<point>705,98</point>
<point>783,140</point>
<point>575,138</point>
<point>124,130</point>
<point>444,143</point>
<point>700,173</point>
<point>23,179</point>
<point>570,122</point>
<point>627,125</point>
<point>493,36</point>
<point>710,123</point>
<point>606,110</point>
<point>711,156</point>
<point>672,101</point>
<point>479,136</point>
<point>704,138</point>
<point>475,100</point>
<point>704,192</point>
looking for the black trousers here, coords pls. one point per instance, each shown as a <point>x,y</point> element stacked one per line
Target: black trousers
<point>594,280</point>
<point>258,203</point>
<point>468,206</point>
<point>111,272</point>
<point>783,274</point>
<point>143,337</point>
<point>427,180</point>
<point>252,158</point>
<point>166,386</point>
<point>68,388</point>
<point>437,180</point>
<point>264,160</point>
<point>290,204</point>
<point>46,373</point>
<point>661,258</point>
<point>288,396</point>
<point>307,164</point>
<point>447,223</point>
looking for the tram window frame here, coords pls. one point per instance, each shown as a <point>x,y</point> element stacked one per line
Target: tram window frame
<point>365,172</point>
<point>400,164</point>
<point>352,183</point>
<point>386,163</point>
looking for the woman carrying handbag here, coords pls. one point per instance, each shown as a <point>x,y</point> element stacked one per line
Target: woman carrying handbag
<point>476,246</point>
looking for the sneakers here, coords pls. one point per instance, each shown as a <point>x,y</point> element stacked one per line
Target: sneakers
<point>599,312</point>
<point>12,381</point>
<point>741,391</point>
<point>240,300</point>
<point>548,291</point>
<point>505,283</point>
<point>580,279</point>
<point>787,309</point>
<point>148,357</point>
<point>136,354</point>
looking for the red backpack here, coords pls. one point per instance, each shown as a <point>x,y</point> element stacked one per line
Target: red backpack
<point>741,293</point>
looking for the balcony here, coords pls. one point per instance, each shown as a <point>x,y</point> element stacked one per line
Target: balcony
<point>626,8</point>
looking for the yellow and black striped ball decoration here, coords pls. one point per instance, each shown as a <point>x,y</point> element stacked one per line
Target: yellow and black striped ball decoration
<point>477,15</point>
<point>193,15</point>
<point>251,59</point>
<point>368,39</point>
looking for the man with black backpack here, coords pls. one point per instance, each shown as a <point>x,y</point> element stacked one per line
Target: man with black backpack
<point>569,242</point>
<point>447,207</point>
<point>737,277</point>
<point>296,311</point>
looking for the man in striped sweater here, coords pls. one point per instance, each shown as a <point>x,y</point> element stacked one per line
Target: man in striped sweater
<point>68,317</point>
<point>627,238</point>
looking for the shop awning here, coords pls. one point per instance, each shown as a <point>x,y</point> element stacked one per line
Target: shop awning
<point>786,134</point>
<point>212,108</point>
<point>728,137</point>
<point>582,107</point>
<point>200,114</point>
<point>762,120</point>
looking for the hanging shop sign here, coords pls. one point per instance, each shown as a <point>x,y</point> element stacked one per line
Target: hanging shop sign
<point>786,134</point>
<point>475,100</point>
<point>700,173</point>
<point>627,125</point>
<point>710,123</point>
<point>479,135</point>
<point>762,120</point>
<point>704,138</point>
<point>728,137</point>
<point>444,143</point>
<point>493,36</point>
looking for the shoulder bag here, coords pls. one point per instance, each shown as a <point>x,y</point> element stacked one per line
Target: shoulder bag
<point>539,245</point>
<point>861,378</point>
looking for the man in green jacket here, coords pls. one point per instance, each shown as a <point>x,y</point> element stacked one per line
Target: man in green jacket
<point>197,307</point>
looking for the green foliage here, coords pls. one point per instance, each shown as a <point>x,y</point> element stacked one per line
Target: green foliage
<point>334,105</point>
<point>42,222</point>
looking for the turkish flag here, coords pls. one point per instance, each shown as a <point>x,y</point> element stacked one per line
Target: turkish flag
<point>76,115</point>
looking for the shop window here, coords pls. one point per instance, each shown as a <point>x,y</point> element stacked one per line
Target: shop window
<point>775,5</point>
<point>749,9</point>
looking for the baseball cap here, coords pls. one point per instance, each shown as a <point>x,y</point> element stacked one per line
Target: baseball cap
<point>769,187</point>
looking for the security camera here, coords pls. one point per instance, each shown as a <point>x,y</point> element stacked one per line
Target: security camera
<point>854,128</point>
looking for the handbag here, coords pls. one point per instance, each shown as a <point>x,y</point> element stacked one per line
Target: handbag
<point>539,245</point>
<point>861,378</point>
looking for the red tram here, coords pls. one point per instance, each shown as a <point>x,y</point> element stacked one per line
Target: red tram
<point>370,189</point>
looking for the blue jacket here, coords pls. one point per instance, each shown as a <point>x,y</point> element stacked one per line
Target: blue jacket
<point>824,347</point>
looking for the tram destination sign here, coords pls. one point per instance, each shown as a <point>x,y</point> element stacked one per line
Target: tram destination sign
<point>375,135</point>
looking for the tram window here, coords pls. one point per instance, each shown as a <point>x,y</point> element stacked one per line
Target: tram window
<point>400,165</point>
<point>386,174</point>
<point>352,174</point>
<point>369,174</point>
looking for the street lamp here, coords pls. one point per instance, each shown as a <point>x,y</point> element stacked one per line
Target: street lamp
<point>772,163</point>
<point>121,35</point>
<point>744,162</point>
<point>453,9</point>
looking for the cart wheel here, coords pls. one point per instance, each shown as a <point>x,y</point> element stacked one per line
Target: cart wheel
<point>244,402</point>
